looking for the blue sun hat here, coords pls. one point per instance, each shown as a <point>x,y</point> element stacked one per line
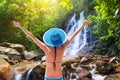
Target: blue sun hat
<point>54,37</point>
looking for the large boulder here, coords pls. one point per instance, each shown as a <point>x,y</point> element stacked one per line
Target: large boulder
<point>18,47</point>
<point>11,53</point>
<point>113,77</point>
<point>36,54</point>
<point>84,75</point>
<point>5,44</point>
<point>5,70</point>
<point>69,58</point>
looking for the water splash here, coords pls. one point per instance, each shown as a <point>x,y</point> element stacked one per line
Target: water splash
<point>82,39</point>
<point>28,74</point>
<point>96,76</point>
<point>19,76</point>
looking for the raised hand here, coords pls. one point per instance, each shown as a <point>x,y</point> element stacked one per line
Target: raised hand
<point>87,22</point>
<point>17,24</point>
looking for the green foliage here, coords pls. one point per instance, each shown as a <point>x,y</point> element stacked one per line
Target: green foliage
<point>79,5</point>
<point>66,4</point>
<point>36,15</point>
<point>107,21</point>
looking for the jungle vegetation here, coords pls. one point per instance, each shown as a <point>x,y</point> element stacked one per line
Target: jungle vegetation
<point>37,16</point>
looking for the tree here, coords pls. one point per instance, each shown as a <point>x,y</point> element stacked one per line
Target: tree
<point>107,20</point>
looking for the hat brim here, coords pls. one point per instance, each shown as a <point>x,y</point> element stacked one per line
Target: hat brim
<point>47,34</point>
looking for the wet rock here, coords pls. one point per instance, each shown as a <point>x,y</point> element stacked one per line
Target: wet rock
<point>117,69</point>
<point>112,59</point>
<point>84,75</point>
<point>11,62</point>
<point>113,77</point>
<point>92,65</point>
<point>115,60</point>
<point>73,76</point>
<point>105,68</point>
<point>5,70</point>
<point>84,59</point>
<point>86,49</point>
<point>67,69</point>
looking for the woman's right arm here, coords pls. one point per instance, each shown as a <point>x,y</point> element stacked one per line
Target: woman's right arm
<point>30,35</point>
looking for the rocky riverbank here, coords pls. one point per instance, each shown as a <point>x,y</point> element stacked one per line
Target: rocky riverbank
<point>19,63</point>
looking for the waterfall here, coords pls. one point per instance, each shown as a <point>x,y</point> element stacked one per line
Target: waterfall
<point>82,39</point>
<point>28,74</point>
<point>19,76</point>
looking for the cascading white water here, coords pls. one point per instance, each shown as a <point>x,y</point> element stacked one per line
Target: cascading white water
<point>19,76</point>
<point>96,76</point>
<point>81,39</point>
<point>28,74</point>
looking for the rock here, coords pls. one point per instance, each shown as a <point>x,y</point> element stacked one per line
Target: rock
<point>105,68</point>
<point>4,57</point>
<point>5,44</point>
<point>69,58</point>
<point>5,50</point>
<point>84,59</point>
<point>11,53</point>
<point>112,59</point>
<point>67,69</point>
<point>92,65</point>
<point>73,76</point>
<point>33,54</point>
<point>84,75</point>
<point>86,49</point>
<point>5,70</point>
<point>11,62</point>
<point>18,47</point>
<point>113,77</point>
<point>117,69</point>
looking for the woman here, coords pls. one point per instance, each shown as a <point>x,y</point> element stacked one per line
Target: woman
<point>55,43</point>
